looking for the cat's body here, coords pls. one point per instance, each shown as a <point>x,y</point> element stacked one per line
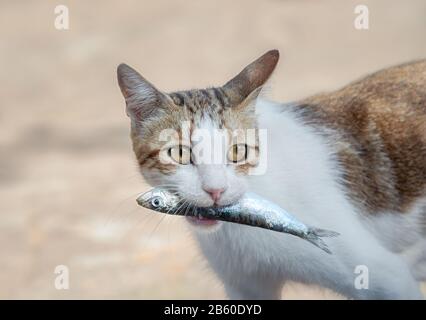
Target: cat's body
<point>353,161</point>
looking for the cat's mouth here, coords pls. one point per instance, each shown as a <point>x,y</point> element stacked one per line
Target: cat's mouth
<point>201,221</point>
<point>205,223</point>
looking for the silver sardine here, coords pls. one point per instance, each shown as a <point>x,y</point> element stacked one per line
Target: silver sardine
<point>251,209</point>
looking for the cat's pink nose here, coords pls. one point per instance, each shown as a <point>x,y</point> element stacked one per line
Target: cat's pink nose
<point>215,193</point>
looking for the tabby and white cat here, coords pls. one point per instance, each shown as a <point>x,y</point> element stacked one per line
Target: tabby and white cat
<point>353,161</point>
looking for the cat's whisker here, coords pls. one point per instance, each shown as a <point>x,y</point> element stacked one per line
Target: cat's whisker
<point>182,202</point>
<point>112,213</point>
<point>185,201</point>
<point>156,227</point>
<point>194,210</point>
<point>125,216</point>
<point>179,202</point>
<point>153,215</point>
<point>167,186</point>
<point>187,208</point>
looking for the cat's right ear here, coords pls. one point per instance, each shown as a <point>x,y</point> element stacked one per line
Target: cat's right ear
<point>142,98</point>
<point>249,82</point>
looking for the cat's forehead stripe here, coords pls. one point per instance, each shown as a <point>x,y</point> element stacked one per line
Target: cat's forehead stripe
<point>201,99</point>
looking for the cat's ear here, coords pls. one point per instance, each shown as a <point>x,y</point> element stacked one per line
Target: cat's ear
<point>142,98</point>
<point>247,83</point>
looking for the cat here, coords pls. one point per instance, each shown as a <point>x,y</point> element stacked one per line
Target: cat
<point>352,161</point>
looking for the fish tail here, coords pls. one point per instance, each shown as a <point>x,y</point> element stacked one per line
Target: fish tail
<point>314,237</point>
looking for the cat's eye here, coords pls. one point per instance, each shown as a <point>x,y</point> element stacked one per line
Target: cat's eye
<point>180,154</point>
<point>237,153</point>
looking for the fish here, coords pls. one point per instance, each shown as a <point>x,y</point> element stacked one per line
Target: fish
<point>251,209</point>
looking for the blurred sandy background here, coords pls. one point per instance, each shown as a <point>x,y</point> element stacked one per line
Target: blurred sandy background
<point>68,180</point>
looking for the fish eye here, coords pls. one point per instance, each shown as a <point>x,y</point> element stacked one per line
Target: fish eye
<point>156,202</point>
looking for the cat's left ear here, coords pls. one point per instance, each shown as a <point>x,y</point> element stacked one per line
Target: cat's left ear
<point>143,100</point>
<point>246,86</point>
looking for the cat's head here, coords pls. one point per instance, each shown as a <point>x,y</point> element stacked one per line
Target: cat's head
<point>199,143</point>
